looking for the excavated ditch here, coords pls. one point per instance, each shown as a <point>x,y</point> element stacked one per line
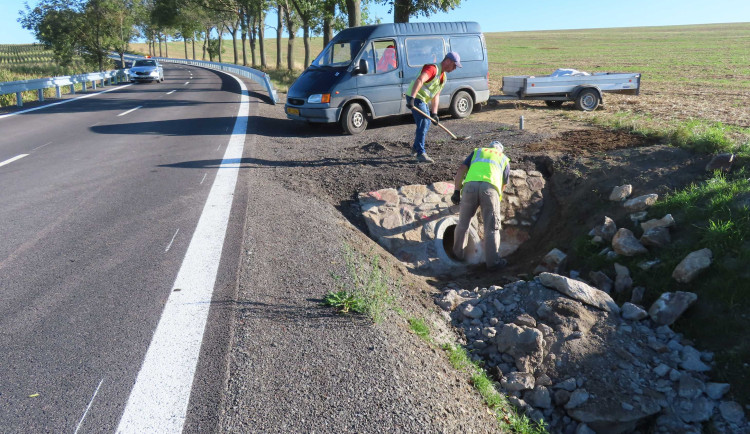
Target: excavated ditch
<point>580,366</point>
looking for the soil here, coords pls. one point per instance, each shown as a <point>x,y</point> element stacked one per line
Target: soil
<point>301,175</point>
<point>581,162</point>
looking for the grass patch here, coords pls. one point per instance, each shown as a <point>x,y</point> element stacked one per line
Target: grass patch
<point>364,289</point>
<point>504,412</point>
<point>714,214</point>
<point>420,328</point>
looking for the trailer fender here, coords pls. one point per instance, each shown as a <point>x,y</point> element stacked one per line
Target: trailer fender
<point>577,91</point>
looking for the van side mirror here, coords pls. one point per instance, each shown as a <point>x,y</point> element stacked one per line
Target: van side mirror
<point>362,68</point>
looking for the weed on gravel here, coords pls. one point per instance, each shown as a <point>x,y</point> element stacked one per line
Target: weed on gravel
<point>504,412</point>
<point>365,289</point>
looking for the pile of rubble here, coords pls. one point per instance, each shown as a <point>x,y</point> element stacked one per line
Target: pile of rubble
<point>564,352</point>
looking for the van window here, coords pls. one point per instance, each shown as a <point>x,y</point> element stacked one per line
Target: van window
<point>385,53</point>
<point>420,51</point>
<point>468,47</point>
<point>338,53</point>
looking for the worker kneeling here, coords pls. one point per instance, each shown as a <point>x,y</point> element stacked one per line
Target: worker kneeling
<point>480,181</point>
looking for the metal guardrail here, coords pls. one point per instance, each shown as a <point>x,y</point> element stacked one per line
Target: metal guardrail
<point>121,75</point>
<point>259,77</point>
<point>40,84</point>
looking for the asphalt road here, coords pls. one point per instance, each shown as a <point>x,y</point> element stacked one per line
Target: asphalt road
<point>99,203</point>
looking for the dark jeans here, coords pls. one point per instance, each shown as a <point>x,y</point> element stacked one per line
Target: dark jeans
<point>423,124</point>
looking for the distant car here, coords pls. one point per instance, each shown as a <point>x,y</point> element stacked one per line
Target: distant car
<point>146,70</point>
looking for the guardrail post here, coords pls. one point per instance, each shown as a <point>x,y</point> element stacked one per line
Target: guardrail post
<point>19,99</point>
<point>40,92</point>
<point>58,93</point>
<point>93,84</point>
<point>83,86</point>
<point>72,89</point>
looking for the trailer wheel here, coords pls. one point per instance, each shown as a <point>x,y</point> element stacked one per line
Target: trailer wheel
<point>554,104</point>
<point>354,119</point>
<point>587,100</point>
<point>462,105</point>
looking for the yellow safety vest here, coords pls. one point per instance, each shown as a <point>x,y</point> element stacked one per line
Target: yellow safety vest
<point>488,165</point>
<point>431,89</point>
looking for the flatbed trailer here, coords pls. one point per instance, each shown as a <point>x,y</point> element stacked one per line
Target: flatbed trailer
<point>585,90</point>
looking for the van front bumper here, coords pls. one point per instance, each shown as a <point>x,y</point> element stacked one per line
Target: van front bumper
<point>318,114</point>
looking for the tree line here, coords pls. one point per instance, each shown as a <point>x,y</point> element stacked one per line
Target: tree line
<point>93,29</point>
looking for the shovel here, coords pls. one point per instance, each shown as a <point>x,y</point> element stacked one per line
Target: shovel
<point>455,137</point>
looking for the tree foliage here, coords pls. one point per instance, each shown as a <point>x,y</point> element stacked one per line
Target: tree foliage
<point>405,9</point>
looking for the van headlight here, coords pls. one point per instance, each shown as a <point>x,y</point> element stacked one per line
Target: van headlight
<point>319,98</point>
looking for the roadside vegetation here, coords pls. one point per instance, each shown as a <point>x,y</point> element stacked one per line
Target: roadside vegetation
<point>32,61</point>
<point>365,289</point>
<point>507,416</point>
<point>712,214</point>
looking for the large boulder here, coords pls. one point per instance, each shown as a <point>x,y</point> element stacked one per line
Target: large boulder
<point>579,291</point>
<point>665,222</point>
<point>692,265</point>
<point>606,230</point>
<point>670,306</point>
<point>656,237</point>
<point>626,244</point>
<point>640,203</point>
<point>621,192</point>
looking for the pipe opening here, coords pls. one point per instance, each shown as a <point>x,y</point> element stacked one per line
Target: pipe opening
<point>448,237</point>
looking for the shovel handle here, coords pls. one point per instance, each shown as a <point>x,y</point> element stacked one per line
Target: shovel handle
<point>439,124</point>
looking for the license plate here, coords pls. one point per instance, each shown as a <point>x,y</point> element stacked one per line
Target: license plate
<point>292,111</point>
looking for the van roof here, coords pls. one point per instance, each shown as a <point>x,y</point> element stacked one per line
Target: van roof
<point>397,29</point>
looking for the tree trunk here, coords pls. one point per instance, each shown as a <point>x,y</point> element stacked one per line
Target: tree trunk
<point>401,11</point>
<point>306,39</point>
<point>290,42</point>
<point>261,21</point>
<point>279,30</point>
<point>243,34</point>
<point>253,38</point>
<point>193,45</point>
<point>159,37</point>
<point>166,45</point>
<point>221,42</point>
<point>355,13</point>
<point>234,45</point>
<point>184,39</point>
<point>329,14</point>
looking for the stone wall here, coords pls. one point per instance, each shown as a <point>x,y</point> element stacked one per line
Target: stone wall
<point>410,221</point>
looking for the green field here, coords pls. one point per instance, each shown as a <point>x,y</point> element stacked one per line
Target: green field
<point>698,74</point>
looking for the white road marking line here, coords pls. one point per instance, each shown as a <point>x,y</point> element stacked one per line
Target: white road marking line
<point>10,160</point>
<point>40,147</point>
<point>172,241</point>
<point>89,406</point>
<point>130,111</point>
<point>170,93</point>
<point>159,399</point>
<point>186,83</point>
<point>63,102</point>
<point>204,178</point>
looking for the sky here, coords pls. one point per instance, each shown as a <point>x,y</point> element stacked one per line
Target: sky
<point>510,16</point>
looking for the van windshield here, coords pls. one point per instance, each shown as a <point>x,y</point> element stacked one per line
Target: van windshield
<point>338,53</point>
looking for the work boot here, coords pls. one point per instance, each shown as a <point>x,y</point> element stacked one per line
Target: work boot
<point>502,263</point>
<point>424,158</point>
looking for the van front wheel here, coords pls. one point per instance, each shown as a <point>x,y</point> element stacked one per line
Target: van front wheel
<point>461,105</point>
<point>354,119</point>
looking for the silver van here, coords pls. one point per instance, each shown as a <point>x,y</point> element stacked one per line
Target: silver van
<point>363,73</point>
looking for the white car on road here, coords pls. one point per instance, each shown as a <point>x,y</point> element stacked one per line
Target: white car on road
<point>146,70</point>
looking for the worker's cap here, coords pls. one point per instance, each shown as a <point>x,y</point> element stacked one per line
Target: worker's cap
<point>497,145</point>
<point>452,55</point>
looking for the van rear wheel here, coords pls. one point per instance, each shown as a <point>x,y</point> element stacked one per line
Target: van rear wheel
<point>462,105</point>
<point>354,119</point>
